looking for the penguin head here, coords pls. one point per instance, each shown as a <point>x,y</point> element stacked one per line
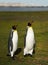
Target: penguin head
<point>14,27</point>
<point>29,24</point>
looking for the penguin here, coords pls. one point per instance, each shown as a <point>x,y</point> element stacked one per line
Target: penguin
<point>12,42</point>
<point>29,43</point>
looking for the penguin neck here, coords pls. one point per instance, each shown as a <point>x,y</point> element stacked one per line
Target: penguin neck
<point>30,27</point>
<point>15,30</point>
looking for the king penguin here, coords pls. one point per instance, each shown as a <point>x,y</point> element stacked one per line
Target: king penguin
<point>13,42</point>
<point>29,41</point>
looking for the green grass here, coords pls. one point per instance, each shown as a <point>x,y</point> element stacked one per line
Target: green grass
<point>40,26</point>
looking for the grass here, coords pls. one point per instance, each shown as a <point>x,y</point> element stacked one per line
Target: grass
<point>40,26</point>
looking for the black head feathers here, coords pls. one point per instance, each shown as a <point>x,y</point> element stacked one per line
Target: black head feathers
<point>14,27</point>
<point>29,24</point>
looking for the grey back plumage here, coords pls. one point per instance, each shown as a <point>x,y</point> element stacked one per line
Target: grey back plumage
<point>10,44</point>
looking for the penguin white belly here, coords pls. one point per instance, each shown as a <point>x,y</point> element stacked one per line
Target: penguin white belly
<point>30,39</point>
<point>29,42</point>
<point>15,40</point>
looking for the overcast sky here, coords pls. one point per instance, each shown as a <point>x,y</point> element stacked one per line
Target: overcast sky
<point>34,2</point>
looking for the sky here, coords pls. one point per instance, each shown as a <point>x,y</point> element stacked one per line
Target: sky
<point>33,2</point>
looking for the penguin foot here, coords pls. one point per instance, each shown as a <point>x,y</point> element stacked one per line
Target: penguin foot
<point>25,55</point>
<point>30,55</point>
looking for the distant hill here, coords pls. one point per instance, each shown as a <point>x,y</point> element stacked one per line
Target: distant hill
<point>20,5</point>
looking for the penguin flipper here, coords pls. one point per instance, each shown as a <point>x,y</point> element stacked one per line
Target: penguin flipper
<point>34,48</point>
<point>25,41</point>
<point>12,42</point>
<point>25,38</point>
